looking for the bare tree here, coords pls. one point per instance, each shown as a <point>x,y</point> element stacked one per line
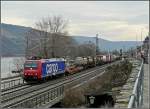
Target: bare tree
<point>27,44</point>
<point>86,49</point>
<point>50,36</point>
<point>50,40</point>
<point>42,27</point>
<point>57,26</point>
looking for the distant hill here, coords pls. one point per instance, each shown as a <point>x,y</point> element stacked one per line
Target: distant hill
<point>108,45</point>
<point>13,41</point>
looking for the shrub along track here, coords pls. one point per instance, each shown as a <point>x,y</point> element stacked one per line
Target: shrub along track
<point>115,75</point>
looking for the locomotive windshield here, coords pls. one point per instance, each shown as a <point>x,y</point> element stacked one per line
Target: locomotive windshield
<point>30,65</point>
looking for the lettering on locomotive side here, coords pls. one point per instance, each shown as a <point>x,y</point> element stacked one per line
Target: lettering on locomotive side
<point>52,68</point>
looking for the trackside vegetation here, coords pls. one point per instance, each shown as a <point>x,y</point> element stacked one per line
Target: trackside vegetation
<point>114,76</point>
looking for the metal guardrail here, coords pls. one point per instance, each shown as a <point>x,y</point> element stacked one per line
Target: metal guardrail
<point>42,98</point>
<point>136,99</point>
<point>11,77</point>
<point>12,83</point>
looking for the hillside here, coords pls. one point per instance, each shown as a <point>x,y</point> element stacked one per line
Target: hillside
<point>108,45</point>
<point>13,41</point>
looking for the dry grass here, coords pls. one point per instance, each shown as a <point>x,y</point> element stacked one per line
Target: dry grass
<point>115,75</point>
<point>73,98</point>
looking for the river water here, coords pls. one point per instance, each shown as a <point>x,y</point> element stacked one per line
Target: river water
<point>11,63</point>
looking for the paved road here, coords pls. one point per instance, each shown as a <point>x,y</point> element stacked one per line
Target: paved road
<point>146,87</point>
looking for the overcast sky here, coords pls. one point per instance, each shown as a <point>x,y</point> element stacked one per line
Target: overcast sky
<point>113,20</point>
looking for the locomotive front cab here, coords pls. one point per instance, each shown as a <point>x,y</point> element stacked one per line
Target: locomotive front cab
<point>32,70</point>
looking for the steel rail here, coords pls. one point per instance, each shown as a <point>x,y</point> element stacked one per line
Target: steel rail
<point>19,89</point>
<point>42,88</point>
<point>76,77</point>
<point>13,92</point>
<point>34,95</point>
<point>11,84</point>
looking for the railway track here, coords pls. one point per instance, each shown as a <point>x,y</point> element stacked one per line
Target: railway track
<point>10,98</point>
<point>14,90</point>
<point>11,94</point>
<point>21,86</point>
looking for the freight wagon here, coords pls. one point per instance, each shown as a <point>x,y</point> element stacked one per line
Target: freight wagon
<point>85,62</point>
<point>104,59</point>
<point>43,68</point>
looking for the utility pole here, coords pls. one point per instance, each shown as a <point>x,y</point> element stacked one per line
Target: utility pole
<point>52,52</point>
<point>136,47</point>
<point>141,39</point>
<point>0,71</point>
<point>0,80</point>
<point>96,49</point>
<point>149,48</point>
<point>27,46</point>
<point>53,44</point>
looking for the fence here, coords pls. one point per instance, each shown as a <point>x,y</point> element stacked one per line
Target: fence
<point>136,99</point>
<point>46,97</point>
<point>12,83</point>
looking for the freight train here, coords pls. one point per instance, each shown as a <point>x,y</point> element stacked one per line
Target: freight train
<point>41,69</point>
